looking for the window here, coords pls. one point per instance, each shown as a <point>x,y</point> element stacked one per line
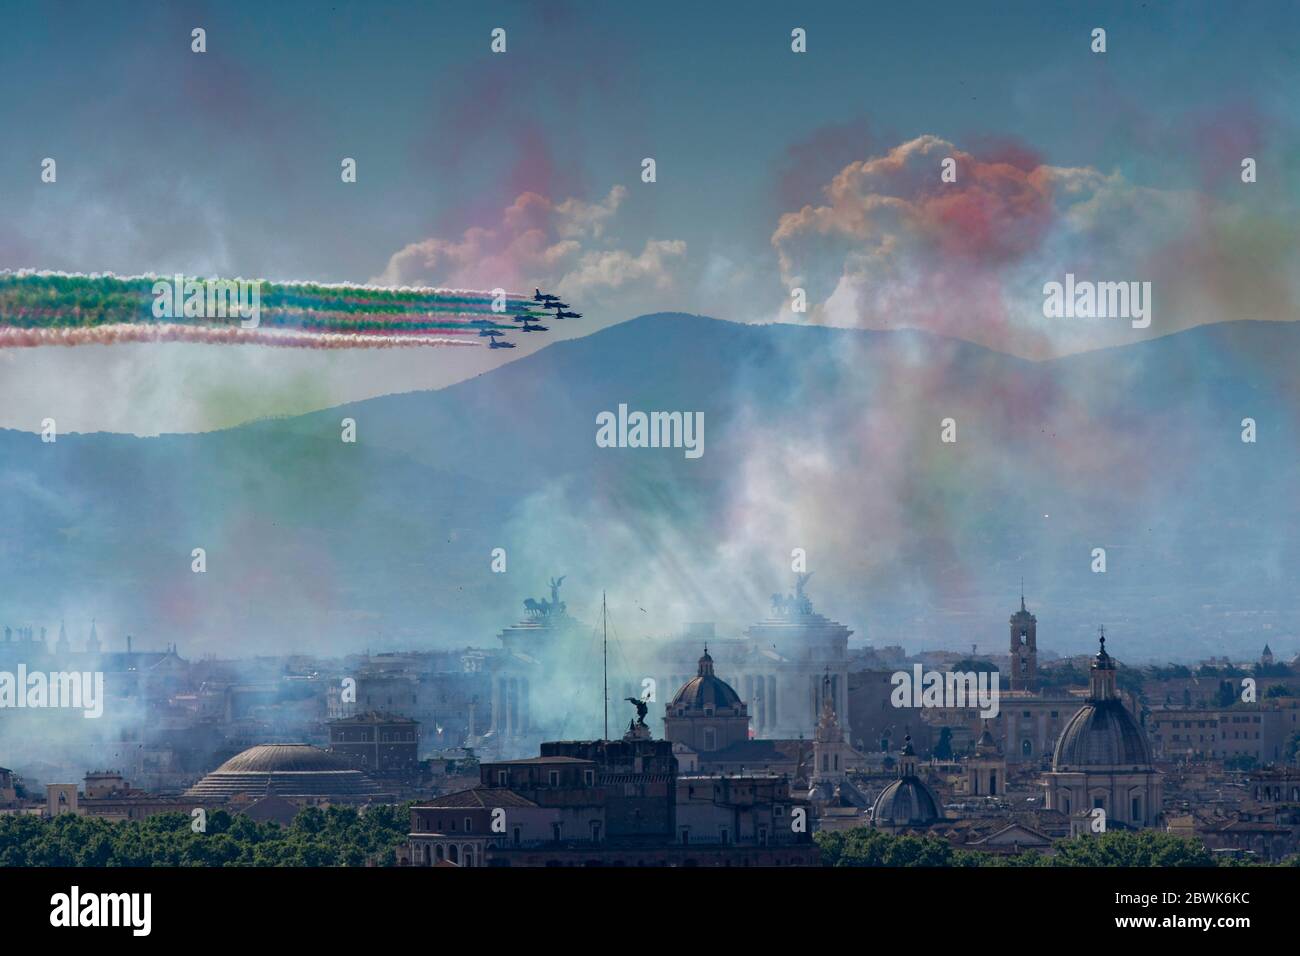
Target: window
<point>762,836</point>
<point>518,836</point>
<point>595,831</point>
<point>589,777</point>
<point>555,832</point>
<point>469,824</point>
<point>724,836</point>
<point>554,778</point>
<point>503,777</point>
<point>686,835</point>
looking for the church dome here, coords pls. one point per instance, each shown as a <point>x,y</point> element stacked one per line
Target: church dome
<point>1102,734</point>
<point>906,802</point>
<point>288,770</point>
<point>295,758</point>
<point>705,690</point>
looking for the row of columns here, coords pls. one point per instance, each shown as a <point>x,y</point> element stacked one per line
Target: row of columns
<point>760,691</point>
<point>511,713</point>
<point>838,700</point>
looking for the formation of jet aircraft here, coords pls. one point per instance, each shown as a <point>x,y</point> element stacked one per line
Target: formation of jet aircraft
<point>549,301</point>
<point>528,319</point>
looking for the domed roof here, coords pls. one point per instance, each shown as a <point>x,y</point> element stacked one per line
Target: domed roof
<point>706,690</point>
<point>287,770</point>
<point>1102,734</point>
<point>907,802</point>
<point>269,758</point>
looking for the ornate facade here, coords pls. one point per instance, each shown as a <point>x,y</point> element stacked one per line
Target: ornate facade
<point>706,714</point>
<point>777,667</point>
<point>986,769</point>
<point>832,754</point>
<point>1103,759</point>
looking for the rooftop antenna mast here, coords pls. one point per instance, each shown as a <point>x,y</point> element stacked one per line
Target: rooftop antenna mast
<point>604,624</point>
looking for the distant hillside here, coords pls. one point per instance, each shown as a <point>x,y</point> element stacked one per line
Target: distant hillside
<point>815,438</point>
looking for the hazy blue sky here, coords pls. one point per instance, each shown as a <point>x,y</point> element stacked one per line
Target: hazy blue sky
<point>775,171</point>
<point>524,168</point>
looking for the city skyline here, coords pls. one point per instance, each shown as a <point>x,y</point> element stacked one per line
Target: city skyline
<point>739,438</point>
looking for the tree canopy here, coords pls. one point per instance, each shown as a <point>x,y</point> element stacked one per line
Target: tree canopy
<point>336,836</point>
<point>865,846</point>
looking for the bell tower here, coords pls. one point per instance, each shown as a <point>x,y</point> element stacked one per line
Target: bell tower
<point>1024,648</point>
<point>830,752</point>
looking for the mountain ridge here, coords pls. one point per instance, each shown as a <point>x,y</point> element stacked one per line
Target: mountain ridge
<point>820,438</point>
<point>1214,328</point>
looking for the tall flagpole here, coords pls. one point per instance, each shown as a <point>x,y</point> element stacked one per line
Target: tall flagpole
<point>604,622</point>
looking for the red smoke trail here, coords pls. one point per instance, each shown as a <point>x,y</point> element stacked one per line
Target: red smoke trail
<point>120,333</point>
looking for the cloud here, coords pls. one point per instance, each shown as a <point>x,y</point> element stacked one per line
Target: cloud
<point>891,245</point>
<point>566,245</point>
<point>616,269</point>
